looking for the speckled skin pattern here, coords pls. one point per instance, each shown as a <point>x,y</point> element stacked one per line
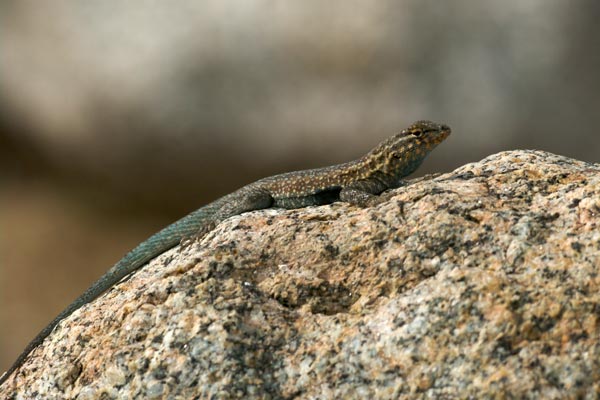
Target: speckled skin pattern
<point>355,182</point>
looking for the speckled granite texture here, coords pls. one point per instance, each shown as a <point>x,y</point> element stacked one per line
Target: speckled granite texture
<point>483,282</point>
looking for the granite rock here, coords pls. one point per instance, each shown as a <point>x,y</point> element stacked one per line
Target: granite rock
<point>483,282</point>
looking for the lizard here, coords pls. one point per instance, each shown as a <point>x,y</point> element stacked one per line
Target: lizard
<point>356,182</point>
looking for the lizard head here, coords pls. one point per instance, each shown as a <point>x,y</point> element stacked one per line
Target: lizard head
<point>402,153</point>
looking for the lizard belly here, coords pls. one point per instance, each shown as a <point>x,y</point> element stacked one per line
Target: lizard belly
<point>315,199</point>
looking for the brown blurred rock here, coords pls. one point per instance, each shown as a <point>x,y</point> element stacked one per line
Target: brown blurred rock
<point>482,282</point>
<point>129,94</point>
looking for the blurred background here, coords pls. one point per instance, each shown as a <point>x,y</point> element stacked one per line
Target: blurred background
<point>116,118</point>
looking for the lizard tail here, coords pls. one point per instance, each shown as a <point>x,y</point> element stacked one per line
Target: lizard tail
<point>158,243</point>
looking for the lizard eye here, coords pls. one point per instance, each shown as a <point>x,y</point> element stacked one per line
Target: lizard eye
<point>417,132</point>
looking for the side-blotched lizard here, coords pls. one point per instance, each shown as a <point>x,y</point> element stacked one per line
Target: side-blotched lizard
<point>355,182</point>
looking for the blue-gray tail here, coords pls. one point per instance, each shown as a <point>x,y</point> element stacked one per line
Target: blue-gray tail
<point>169,237</point>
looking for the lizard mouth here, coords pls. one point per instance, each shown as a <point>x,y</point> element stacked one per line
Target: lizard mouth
<point>444,133</point>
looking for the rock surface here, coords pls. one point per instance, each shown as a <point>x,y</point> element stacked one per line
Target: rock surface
<point>482,282</point>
